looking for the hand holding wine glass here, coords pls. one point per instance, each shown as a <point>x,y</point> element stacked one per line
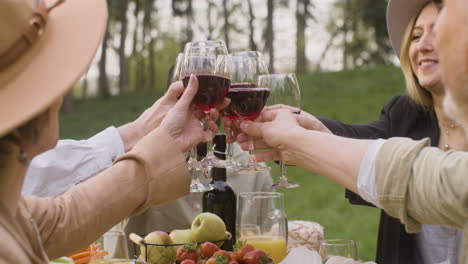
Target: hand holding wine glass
<point>284,90</point>
<point>182,121</point>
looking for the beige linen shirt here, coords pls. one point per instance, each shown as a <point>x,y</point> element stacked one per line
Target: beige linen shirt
<point>31,228</point>
<point>420,184</point>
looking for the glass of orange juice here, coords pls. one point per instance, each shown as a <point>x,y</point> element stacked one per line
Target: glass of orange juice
<point>262,222</point>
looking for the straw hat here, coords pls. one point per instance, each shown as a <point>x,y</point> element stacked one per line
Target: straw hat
<point>399,14</point>
<point>45,46</point>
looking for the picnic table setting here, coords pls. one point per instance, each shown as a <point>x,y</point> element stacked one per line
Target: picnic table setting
<point>234,228</point>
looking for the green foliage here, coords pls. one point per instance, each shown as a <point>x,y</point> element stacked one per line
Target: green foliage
<point>355,96</point>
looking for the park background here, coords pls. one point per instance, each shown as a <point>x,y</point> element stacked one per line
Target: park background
<point>339,48</point>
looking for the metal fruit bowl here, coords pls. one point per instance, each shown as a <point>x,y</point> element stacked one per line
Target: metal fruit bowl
<point>139,241</point>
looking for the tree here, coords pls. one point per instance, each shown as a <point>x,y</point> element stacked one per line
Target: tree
<point>269,39</point>
<point>362,30</point>
<point>226,24</point>
<point>181,8</point>
<point>302,15</point>
<point>123,75</point>
<point>252,44</point>
<point>147,31</point>
<point>103,81</point>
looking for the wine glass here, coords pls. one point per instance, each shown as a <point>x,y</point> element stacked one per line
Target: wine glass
<point>247,100</point>
<point>208,47</point>
<point>284,89</point>
<point>212,88</point>
<point>262,222</point>
<point>192,162</point>
<point>261,64</point>
<point>337,249</point>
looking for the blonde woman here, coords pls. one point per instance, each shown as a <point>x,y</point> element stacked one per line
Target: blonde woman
<point>417,116</point>
<point>44,48</point>
<point>409,180</point>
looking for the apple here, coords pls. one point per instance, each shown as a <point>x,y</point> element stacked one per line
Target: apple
<point>183,236</point>
<point>158,254</point>
<point>208,227</point>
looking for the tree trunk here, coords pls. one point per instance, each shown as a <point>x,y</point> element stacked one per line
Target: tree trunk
<point>68,102</point>
<point>147,27</point>
<point>123,76</point>
<point>226,24</point>
<point>252,44</point>
<point>137,25</point>
<point>189,15</point>
<point>301,19</point>
<point>103,81</point>
<point>270,35</point>
<point>84,86</point>
<point>346,17</point>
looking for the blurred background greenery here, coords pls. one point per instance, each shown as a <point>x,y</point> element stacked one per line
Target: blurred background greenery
<point>353,96</point>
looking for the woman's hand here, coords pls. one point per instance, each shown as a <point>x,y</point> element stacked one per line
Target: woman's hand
<point>182,121</point>
<point>151,118</point>
<point>272,131</point>
<point>304,119</point>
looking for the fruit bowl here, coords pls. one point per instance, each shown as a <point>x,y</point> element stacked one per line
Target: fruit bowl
<point>169,248</point>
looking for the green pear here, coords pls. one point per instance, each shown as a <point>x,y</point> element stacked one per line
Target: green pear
<point>208,227</point>
<point>183,236</point>
<point>158,254</point>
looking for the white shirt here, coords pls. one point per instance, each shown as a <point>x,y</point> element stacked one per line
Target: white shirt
<point>436,244</point>
<point>71,162</point>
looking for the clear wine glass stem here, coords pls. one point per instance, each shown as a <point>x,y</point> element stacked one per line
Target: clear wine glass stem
<point>193,162</point>
<point>251,151</point>
<point>282,170</point>
<point>283,182</point>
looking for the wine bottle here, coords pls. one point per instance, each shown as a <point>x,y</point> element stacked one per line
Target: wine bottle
<point>222,199</point>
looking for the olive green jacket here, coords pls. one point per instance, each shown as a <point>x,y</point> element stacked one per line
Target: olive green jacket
<point>420,184</point>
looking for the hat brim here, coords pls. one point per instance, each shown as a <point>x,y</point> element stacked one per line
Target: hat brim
<point>399,14</point>
<point>50,67</point>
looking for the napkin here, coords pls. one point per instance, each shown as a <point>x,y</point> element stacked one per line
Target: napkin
<point>302,255</point>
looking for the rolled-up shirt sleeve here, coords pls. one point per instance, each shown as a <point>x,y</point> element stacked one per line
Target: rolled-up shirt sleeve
<point>71,162</point>
<point>366,179</point>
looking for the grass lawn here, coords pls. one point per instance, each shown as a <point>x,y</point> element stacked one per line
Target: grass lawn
<point>350,96</point>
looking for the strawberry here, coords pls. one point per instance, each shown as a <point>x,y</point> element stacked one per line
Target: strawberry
<point>222,253</point>
<point>189,251</point>
<point>208,249</point>
<point>218,259</point>
<point>242,248</point>
<point>256,257</point>
<point>236,256</point>
<point>188,261</point>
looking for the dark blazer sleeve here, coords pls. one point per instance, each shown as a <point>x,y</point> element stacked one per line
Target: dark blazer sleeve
<point>373,130</point>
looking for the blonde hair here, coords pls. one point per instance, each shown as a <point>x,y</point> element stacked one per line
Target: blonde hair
<point>416,92</point>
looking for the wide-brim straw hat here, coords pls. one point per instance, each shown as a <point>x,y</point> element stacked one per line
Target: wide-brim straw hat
<point>45,47</point>
<point>399,14</point>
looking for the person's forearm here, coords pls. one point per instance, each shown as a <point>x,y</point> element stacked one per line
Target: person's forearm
<point>331,156</point>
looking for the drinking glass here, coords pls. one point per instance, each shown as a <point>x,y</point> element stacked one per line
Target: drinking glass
<point>261,64</point>
<point>338,249</point>
<point>115,242</point>
<point>247,100</point>
<point>284,89</point>
<point>208,47</point>
<point>212,89</point>
<point>262,222</point>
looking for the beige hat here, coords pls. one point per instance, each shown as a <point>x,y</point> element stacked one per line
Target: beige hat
<point>45,46</point>
<point>399,14</point>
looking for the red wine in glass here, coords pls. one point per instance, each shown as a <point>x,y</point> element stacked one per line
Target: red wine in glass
<point>247,102</point>
<point>227,112</point>
<point>211,90</point>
